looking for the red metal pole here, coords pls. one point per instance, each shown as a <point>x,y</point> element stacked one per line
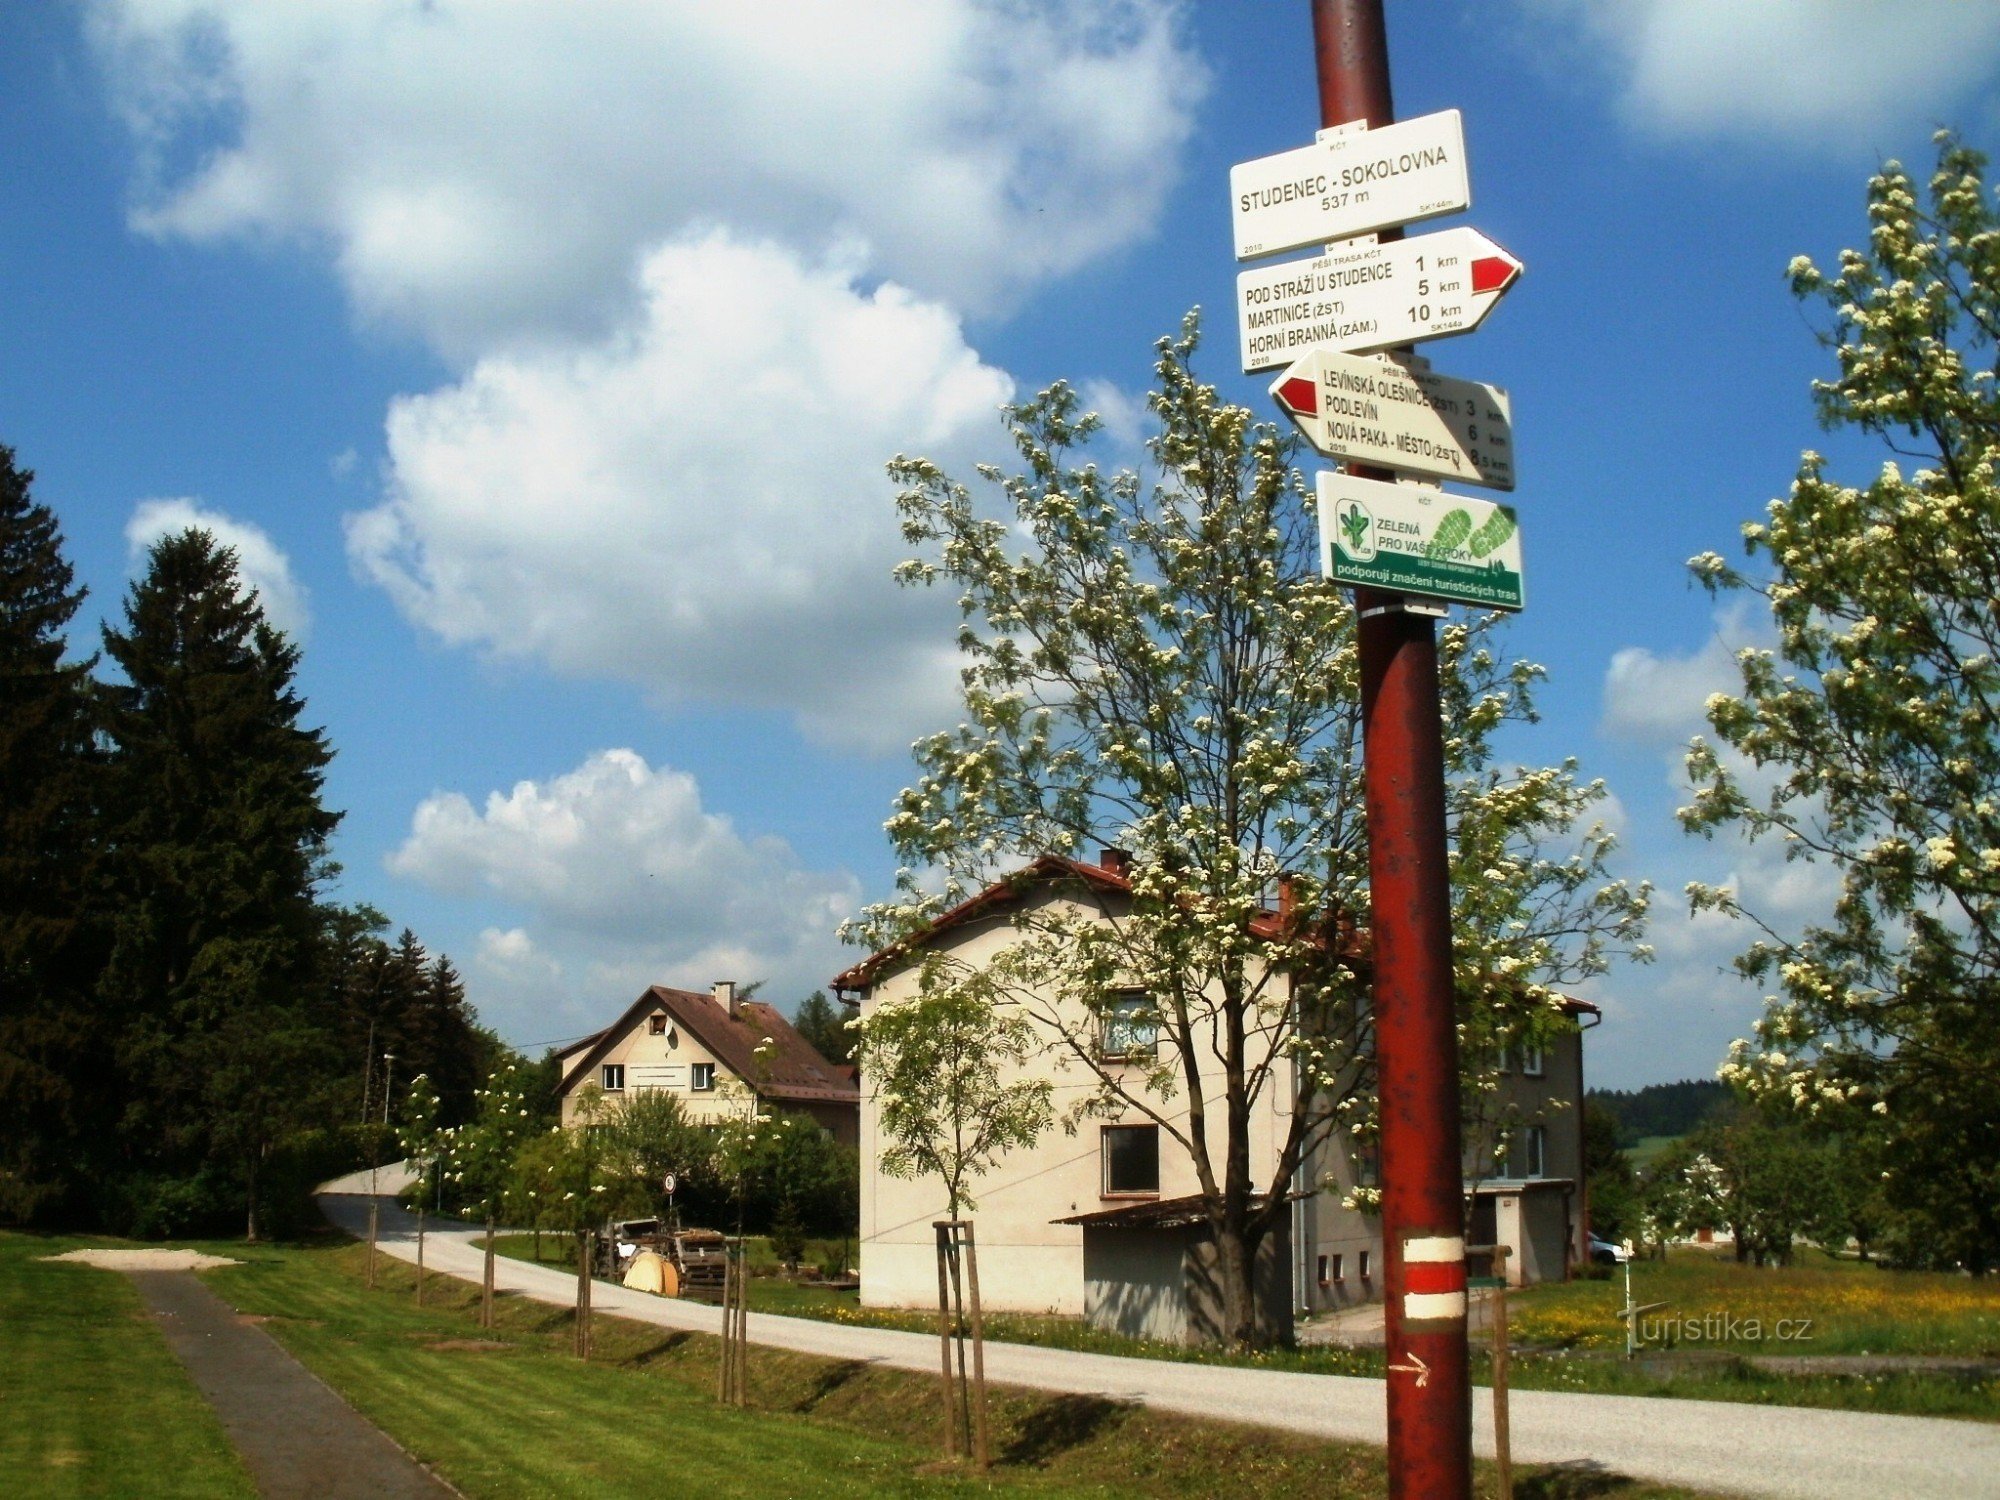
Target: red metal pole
<point>1416,1041</point>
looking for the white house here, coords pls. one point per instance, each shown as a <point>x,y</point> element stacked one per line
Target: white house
<point>1032,1250</point>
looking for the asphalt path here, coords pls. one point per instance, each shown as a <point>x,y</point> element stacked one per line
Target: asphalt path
<point>1729,1447</point>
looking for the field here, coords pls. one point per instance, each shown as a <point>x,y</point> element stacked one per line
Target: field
<point>509,1413</point>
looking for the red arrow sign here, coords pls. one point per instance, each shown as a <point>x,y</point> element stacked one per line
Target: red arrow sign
<point>1492,273</point>
<point>1298,395</point>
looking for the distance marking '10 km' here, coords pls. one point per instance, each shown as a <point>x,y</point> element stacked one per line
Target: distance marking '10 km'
<point>1371,296</point>
<point>1416,539</point>
<point>1349,184</point>
<point>1373,409</point>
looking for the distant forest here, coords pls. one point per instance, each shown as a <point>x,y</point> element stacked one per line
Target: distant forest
<point>1662,1108</point>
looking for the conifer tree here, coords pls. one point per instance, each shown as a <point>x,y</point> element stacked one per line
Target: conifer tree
<point>220,845</point>
<point>48,947</point>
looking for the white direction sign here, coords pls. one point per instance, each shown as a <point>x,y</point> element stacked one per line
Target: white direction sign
<point>1349,184</point>
<point>1373,409</point>
<point>1371,296</point>
<point>1416,539</point>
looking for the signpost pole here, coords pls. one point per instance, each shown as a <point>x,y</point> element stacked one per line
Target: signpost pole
<point>1423,1246</point>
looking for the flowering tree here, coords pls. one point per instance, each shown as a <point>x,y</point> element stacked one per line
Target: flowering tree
<point>1161,666</point>
<point>1875,723</point>
<point>423,1140</point>
<point>479,1157</point>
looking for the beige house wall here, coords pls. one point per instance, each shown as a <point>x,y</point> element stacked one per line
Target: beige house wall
<point>1026,1262</point>
<point>661,1062</point>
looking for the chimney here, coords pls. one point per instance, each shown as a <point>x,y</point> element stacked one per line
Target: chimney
<point>1116,862</point>
<point>1288,900</point>
<point>725,996</point>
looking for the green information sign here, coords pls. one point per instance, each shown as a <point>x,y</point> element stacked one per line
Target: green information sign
<point>1416,539</point>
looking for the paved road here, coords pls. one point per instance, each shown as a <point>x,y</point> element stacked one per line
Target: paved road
<point>1790,1452</point>
<point>300,1440</point>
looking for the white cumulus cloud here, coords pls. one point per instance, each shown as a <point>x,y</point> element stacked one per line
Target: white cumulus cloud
<point>477,171</point>
<point>1805,72</point>
<point>622,878</point>
<point>699,507</point>
<point>261,562</point>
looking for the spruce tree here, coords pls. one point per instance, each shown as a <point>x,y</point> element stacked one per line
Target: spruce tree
<point>220,845</point>
<point>47,949</point>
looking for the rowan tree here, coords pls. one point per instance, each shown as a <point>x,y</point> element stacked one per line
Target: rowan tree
<point>1157,664</point>
<point>1868,738</point>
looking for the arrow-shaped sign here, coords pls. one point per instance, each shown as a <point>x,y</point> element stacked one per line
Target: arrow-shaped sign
<point>1359,297</point>
<point>1417,1368</point>
<point>1373,409</point>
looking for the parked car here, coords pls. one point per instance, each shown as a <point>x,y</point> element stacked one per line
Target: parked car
<point>1605,1253</point>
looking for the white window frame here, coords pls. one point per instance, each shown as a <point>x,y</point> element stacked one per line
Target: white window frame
<point>701,1077</point>
<point>1534,1144</point>
<point>1534,1060</point>
<point>611,1078</point>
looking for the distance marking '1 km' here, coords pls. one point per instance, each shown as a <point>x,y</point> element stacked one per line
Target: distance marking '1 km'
<point>1416,539</point>
<point>1371,296</point>
<point>1349,184</point>
<point>1372,409</point>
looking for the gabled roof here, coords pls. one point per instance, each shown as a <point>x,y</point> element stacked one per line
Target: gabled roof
<point>1106,879</point>
<point>789,1070</point>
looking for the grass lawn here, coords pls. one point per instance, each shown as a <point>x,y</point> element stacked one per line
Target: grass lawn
<point>92,1402</point>
<point>512,1414</point>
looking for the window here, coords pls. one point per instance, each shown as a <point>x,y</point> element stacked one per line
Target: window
<point>657,1025</point>
<point>1128,1028</point>
<point>1339,1268</point>
<point>701,1077</point>
<point>1131,1159</point>
<point>1530,1151</point>
<point>614,1077</point>
<point>1322,1270</point>
<point>1531,1060</point>
<point>1363,1258</point>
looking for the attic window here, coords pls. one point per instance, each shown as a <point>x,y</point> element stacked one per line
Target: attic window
<point>701,1076</point>
<point>657,1025</point>
<point>614,1077</point>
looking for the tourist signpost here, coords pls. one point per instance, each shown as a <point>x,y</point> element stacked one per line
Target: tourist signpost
<point>1371,296</point>
<point>1394,414</point>
<point>1401,546</point>
<point>1348,184</point>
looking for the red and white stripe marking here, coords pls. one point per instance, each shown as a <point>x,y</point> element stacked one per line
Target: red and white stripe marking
<point>1433,1277</point>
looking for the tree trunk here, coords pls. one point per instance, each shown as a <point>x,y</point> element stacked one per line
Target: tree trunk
<point>1236,1277</point>
<point>420,1250</point>
<point>486,1285</point>
<point>250,1190</point>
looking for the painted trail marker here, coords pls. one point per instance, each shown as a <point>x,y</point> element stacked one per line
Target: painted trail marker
<point>1372,410</point>
<point>1416,539</point>
<point>1349,184</point>
<point>1371,296</point>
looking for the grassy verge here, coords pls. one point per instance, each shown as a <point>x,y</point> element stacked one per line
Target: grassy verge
<point>1567,1336</point>
<point>510,1413</point>
<point>92,1402</point>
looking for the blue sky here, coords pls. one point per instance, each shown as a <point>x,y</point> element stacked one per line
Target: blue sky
<point>542,361</point>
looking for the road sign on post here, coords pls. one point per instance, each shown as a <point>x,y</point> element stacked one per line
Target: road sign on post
<point>1358,297</point>
<point>1416,539</point>
<point>1349,184</point>
<point>1376,410</point>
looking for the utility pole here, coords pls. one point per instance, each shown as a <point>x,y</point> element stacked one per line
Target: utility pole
<point>1416,1041</point>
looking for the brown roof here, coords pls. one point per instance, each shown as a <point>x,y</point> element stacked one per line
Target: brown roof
<point>789,1069</point>
<point>1109,879</point>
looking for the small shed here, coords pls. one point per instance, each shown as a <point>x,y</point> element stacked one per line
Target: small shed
<point>1149,1272</point>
